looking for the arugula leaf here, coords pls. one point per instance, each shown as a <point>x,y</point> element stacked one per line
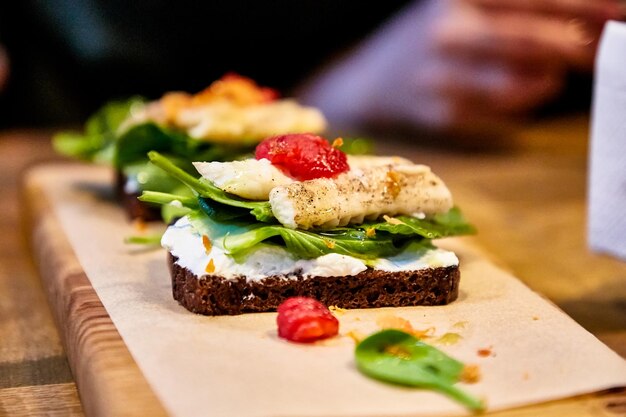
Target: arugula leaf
<point>76,145</point>
<point>218,230</point>
<point>150,177</point>
<point>102,140</point>
<point>451,223</point>
<point>308,244</point>
<point>157,197</point>
<point>238,235</point>
<point>95,144</point>
<point>109,118</point>
<point>144,240</point>
<point>173,211</point>
<point>136,142</point>
<point>400,358</point>
<point>261,210</point>
<point>221,212</point>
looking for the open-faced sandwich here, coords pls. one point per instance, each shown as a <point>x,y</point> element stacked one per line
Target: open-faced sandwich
<point>223,122</point>
<point>303,218</point>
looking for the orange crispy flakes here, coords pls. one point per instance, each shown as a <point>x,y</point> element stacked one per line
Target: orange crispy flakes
<point>389,321</point>
<point>337,143</point>
<point>470,374</point>
<point>232,88</point>
<point>206,242</point>
<point>392,220</point>
<point>210,267</point>
<point>393,183</point>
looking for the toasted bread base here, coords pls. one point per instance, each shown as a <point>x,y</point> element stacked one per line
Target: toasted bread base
<point>214,295</point>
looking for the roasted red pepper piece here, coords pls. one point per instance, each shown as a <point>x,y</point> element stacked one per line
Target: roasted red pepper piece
<point>303,156</point>
<point>305,320</point>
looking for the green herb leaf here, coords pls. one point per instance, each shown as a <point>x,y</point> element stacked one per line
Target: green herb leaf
<point>166,198</point>
<point>398,357</point>
<point>451,223</point>
<point>96,142</point>
<point>136,142</point>
<point>308,245</point>
<point>261,210</point>
<point>76,145</point>
<point>221,212</point>
<point>144,240</point>
<point>149,177</point>
<point>109,117</point>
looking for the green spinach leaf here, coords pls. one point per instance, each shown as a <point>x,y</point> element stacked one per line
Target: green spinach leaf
<point>448,224</point>
<point>96,142</point>
<point>398,357</point>
<point>310,244</point>
<point>261,210</point>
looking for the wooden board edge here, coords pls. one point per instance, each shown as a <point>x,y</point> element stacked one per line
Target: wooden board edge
<point>108,379</point>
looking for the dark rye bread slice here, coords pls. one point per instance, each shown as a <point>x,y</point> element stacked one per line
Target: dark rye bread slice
<point>214,295</point>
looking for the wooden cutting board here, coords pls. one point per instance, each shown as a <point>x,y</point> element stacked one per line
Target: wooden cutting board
<point>108,379</point>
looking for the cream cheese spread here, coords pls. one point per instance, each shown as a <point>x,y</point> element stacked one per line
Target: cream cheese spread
<point>184,242</point>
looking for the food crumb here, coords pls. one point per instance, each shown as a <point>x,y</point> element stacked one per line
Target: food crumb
<point>206,242</point>
<point>389,321</point>
<point>337,310</point>
<point>449,339</point>
<point>535,318</point>
<point>484,352</point>
<point>460,324</point>
<point>139,225</point>
<point>337,143</point>
<point>392,220</point>
<point>392,184</point>
<point>210,267</point>
<point>525,376</point>
<point>470,374</point>
<point>423,333</point>
<point>355,335</point>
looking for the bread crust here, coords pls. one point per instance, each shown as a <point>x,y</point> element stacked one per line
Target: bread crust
<point>214,295</point>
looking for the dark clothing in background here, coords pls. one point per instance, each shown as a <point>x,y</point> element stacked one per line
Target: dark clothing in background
<point>68,56</point>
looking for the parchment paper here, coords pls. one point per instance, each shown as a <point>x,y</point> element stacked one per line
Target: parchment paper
<point>236,366</point>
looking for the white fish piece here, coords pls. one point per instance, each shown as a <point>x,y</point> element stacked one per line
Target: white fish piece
<point>254,179</point>
<point>223,121</point>
<point>365,161</point>
<point>251,178</point>
<point>360,194</point>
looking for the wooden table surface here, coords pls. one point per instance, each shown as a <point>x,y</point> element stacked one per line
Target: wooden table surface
<point>528,202</point>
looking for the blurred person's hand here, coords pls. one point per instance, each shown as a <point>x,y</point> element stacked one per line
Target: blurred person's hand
<point>4,68</point>
<point>462,64</point>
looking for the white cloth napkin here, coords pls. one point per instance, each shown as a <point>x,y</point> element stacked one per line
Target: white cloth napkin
<point>607,158</point>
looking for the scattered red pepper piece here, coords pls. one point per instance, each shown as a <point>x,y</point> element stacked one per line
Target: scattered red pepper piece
<point>305,320</point>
